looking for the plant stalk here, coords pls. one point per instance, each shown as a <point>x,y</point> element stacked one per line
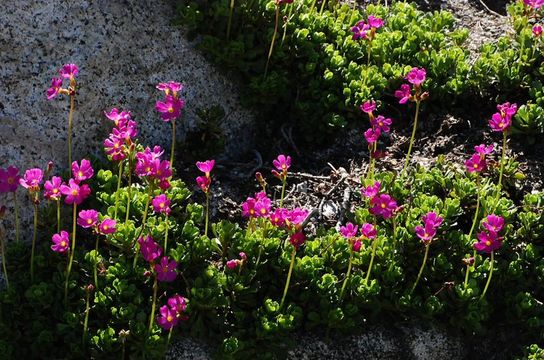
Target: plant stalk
<point>347,274</point>
<point>120,175</point>
<point>422,267</point>
<point>411,139</point>
<point>72,251</point>
<point>374,245</point>
<point>17,219</point>
<point>288,276</point>
<point>273,41</point>
<point>34,242</point>
<point>152,317</point>
<point>490,275</point>
<point>70,127</point>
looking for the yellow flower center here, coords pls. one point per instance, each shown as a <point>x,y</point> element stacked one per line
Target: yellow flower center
<point>89,221</point>
<point>501,124</point>
<point>55,191</point>
<point>165,269</point>
<point>283,166</point>
<point>148,169</point>
<point>383,206</point>
<point>11,180</point>
<point>263,211</point>
<point>488,243</point>
<point>116,145</point>
<point>63,243</point>
<point>170,110</point>
<point>475,166</point>
<point>80,174</point>
<point>251,211</point>
<point>74,192</point>
<point>169,318</point>
<point>161,205</point>
<point>380,123</point>
<point>106,227</point>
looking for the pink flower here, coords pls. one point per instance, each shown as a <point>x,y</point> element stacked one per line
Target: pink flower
<point>432,219</point>
<point>348,231</point>
<point>297,239</point>
<point>150,249</point>
<point>484,150</point>
<point>166,269</point>
<point>282,163</point>
<point>357,244</point>
<point>32,179</point>
<point>69,71</point>
<point>493,223</point>
<point>277,218</point>
<point>368,107</point>
<point>204,183</point>
<point>232,264</point>
<point>368,231</point>
<point>115,148</point>
<point>54,90</point>
<point>475,164</point>
<point>75,194</point>
<point>9,179</point>
<point>168,318</point>
<point>170,87</point>
<point>502,120</point>
<point>61,242</point>
<point>296,216</point>
<point>171,108</point>
<point>372,190</point>
<point>82,172</point>
<point>107,226</point>
<point>537,30</point>
<point>177,303</point>
<point>360,30</point>
<point>535,4</point>
<point>52,188</point>
<point>372,135</point>
<point>147,163</point>
<point>206,166</point>
<point>488,242</point>
<point>126,129</point>
<point>383,205</point>
<point>243,256</point>
<point>427,233</point>
<point>118,116</point>
<point>381,123</point>
<point>87,218</point>
<point>403,94</point>
<point>161,204</point>
<point>416,76</point>
<point>375,22</point>
<point>262,207</point>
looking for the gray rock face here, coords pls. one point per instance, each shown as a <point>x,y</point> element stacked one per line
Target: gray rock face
<point>123,49</point>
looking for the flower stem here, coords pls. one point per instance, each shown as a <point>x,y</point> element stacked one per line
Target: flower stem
<point>490,275</point>
<point>120,175</point>
<point>165,233</point>
<point>95,266</point>
<point>169,337</point>
<point>129,196</point>
<point>17,220</point>
<point>411,140</point>
<point>347,274</point>
<point>422,267</point>
<point>4,265</point>
<point>34,242</point>
<point>172,151</point>
<point>86,321</point>
<point>230,18</point>
<point>474,221</point>
<point>153,304</point>
<point>284,182</point>
<point>503,157</point>
<point>72,251</point>
<point>206,221</point>
<point>288,276</point>
<point>374,245</point>
<point>322,7</point>
<point>273,41</point>
<point>70,126</point>
<point>286,22</point>
<point>144,220</point>
<point>58,216</point>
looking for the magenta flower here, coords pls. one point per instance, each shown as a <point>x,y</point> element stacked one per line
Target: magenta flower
<point>372,190</point>
<point>484,150</point>
<point>381,123</point>
<point>368,231</point>
<point>171,108</point>
<point>177,303</point>
<point>432,219</point>
<point>535,4</point>
<point>161,204</point>
<point>297,239</point>
<point>416,76</point>
<point>87,218</point>
<point>118,117</point>
<point>368,107</point>
<point>282,163</point>
<point>475,164</point>
<point>107,226</point>
<point>82,171</point>
<point>348,231</point>
<point>54,90</point>
<point>262,206</point>
<point>166,270</point>
<point>75,194</point>
<point>383,205</point>
<point>115,148</point>
<point>488,242</point>
<point>403,94</point>
<point>150,249</point>
<point>32,179</point>
<point>146,164</point>
<point>372,135</point>
<point>360,30</point>
<point>69,71</point>
<point>168,318</point>
<point>493,223</point>
<point>427,233</point>
<point>357,244</point>
<point>170,87</point>
<point>9,179</point>
<point>61,242</point>
<point>296,216</point>
<point>206,166</point>
<point>232,264</point>
<point>502,120</point>
<point>375,22</point>
<point>537,30</point>
<point>277,217</point>
<point>126,129</point>
<point>52,188</point>
<point>204,183</point>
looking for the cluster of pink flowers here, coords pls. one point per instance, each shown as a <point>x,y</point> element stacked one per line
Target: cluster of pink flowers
<point>477,162</point>
<point>170,108</point>
<point>76,192</point>
<point>366,30</point>
<point>257,207</point>
<point>416,77</point>
<point>535,4</point>
<point>165,269</point>
<point>282,164</point>
<point>431,223</point>
<point>90,219</point>
<point>32,180</point>
<point>381,204</point>
<point>173,312</point>
<point>119,143</point>
<point>205,181</point>
<point>9,179</point>
<point>380,124</point>
<point>234,263</point>
<point>502,120</point>
<point>489,239</point>
<point>150,166</point>
<point>349,231</point>
<point>68,71</point>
